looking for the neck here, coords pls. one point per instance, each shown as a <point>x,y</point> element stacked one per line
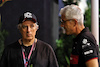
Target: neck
<point>28,42</point>
<point>79,29</point>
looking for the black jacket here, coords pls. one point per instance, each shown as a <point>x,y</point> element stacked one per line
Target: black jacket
<point>42,56</point>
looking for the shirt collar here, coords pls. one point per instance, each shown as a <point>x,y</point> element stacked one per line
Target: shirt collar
<point>83,31</point>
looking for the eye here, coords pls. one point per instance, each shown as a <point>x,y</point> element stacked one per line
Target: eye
<point>24,26</point>
<point>31,25</point>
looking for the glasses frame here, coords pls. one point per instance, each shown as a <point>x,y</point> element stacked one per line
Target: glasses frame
<point>62,21</point>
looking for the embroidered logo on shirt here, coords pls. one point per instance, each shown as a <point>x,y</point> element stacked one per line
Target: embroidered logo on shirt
<point>85,43</point>
<point>88,52</point>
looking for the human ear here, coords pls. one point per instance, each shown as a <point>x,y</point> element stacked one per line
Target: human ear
<point>37,26</point>
<point>74,22</point>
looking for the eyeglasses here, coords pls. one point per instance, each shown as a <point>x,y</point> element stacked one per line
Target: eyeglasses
<point>62,21</point>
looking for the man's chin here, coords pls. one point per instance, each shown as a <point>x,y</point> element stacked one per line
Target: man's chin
<point>29,38</point>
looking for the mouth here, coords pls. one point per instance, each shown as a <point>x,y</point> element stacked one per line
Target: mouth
<point>28,35</point>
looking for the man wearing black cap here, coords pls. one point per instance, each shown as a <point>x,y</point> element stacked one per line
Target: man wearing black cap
<point>28,51</point>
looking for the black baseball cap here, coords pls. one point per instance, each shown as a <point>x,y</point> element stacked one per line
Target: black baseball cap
<point>27,16</point>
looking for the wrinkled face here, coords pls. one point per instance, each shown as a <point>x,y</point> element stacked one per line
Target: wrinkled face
<point>68,25</point>
<point>28,30</point>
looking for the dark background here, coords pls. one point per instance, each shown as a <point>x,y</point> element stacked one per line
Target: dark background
<point>46,12</point>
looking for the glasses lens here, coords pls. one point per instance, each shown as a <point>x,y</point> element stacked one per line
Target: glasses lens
<point>62,21</point>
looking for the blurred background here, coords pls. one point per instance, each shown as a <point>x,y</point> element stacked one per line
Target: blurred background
<point>47,13</point>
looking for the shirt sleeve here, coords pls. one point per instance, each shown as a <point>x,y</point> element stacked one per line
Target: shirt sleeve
<point>3,60</point>
<point>52,59</point>
<point>89,49</point>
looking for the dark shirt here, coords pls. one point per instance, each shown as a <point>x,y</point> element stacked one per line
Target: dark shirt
<point>42,56</point>
<point>84,49</point>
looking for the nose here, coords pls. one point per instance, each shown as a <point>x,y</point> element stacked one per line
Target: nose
<point>28,29</point>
